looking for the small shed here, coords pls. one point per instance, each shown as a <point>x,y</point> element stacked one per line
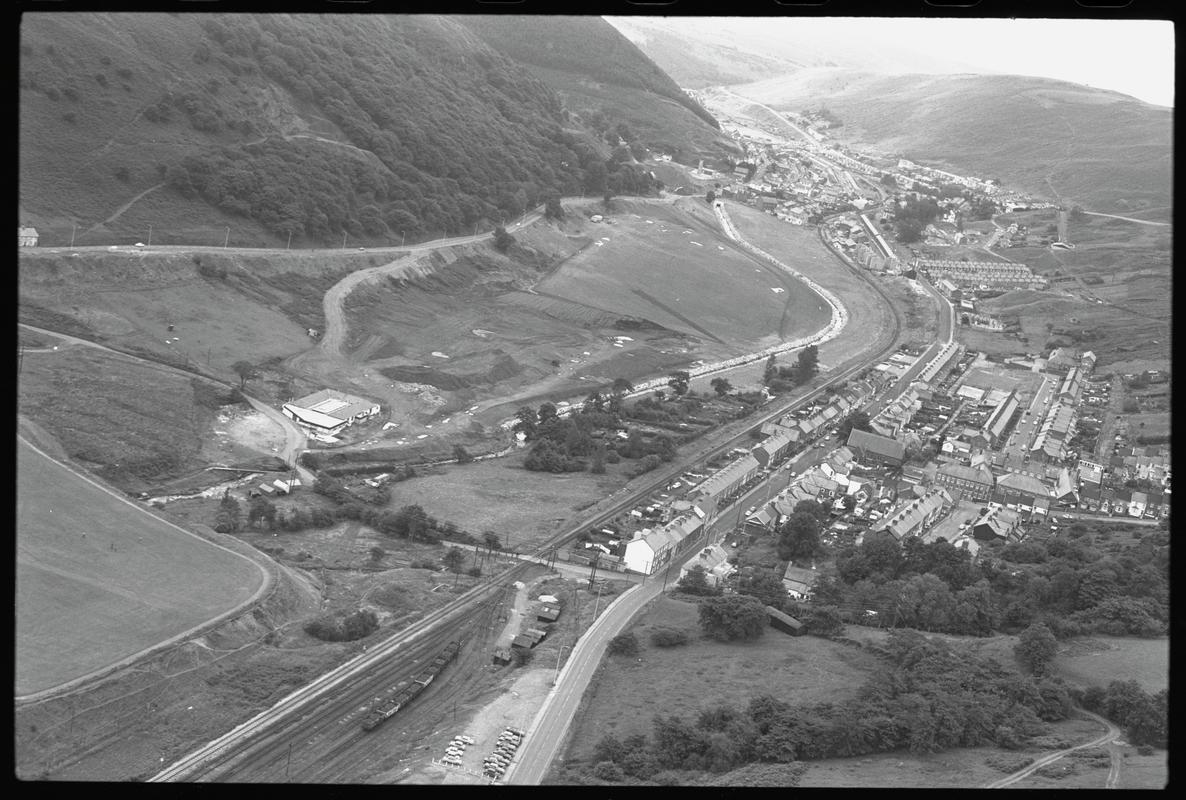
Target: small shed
<point>548,614</point>
<point>784,622</point>
<point>502,656</point>
<point>524,641</point>
<point>535,635</point>
<point>267,489</point>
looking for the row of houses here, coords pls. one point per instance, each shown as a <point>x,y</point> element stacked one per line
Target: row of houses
<point>991,273</point>
<point>943,359</point>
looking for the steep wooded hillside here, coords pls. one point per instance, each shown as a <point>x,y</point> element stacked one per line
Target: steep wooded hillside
<point>1100,149</point>
<point>376,127</point>
<point>606,81</point>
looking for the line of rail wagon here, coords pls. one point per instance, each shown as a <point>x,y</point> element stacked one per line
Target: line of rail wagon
<point>389,706</point>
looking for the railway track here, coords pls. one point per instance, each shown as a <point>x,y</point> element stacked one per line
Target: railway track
<point>266,747</point>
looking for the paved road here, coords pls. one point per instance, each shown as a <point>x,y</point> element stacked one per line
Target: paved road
<point>1128,219</point>
<point>1111,734</point>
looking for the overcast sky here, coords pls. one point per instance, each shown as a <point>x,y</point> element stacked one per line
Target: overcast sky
<point>1135,57</point>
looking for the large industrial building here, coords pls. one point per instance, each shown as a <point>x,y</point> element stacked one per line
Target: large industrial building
<point>328,412</point>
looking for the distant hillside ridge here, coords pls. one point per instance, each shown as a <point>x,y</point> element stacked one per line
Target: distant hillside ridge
<point>606,80</point>
<point>1072,144</point>
<point>318,128</point>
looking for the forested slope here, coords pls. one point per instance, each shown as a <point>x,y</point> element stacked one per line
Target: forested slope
<point>314,126</point>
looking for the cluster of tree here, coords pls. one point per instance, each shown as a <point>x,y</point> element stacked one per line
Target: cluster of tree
<point>695,582</point>
<point>783,379</point>
<point>344,627</point>
<point>799,535</point>
<point>577,441</point>
<point>474,137</point>
<point>732,616</point>
<point>1068,584</point>
<point>408,522</point>
<point>857,420</point>
<point>1143,716</point>
<point>914,215</point>
<point>925,696</point>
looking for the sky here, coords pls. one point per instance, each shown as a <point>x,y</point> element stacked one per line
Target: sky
<point>1135,57</point>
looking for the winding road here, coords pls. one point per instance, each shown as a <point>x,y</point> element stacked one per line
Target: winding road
<point>1111,734</point>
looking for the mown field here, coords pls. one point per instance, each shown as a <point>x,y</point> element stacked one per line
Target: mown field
<point>523,508</point>
<point>98,579</point>
<point>1098,660</point>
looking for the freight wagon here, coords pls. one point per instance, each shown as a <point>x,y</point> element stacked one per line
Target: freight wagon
<point>403,694</point>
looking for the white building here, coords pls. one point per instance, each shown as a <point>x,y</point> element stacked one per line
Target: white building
<point>328,411</point>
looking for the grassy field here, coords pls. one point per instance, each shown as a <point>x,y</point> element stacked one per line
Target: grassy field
<point>800,248</point>
<point>658,264</point>
<point>681,680</point>
<point>1098,660</point>
<point>522,507</point>
<point>99,580</point>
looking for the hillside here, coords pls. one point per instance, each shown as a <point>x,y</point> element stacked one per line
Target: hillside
<point>368,128</point>
<point>605,80</point>
<point>1073,144</point>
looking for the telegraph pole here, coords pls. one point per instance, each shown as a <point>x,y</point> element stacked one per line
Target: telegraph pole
<point>150,235</point>
<point>228,236</point>
<point>289,241</point>
<point>402,236</point>
<point>73,227</point>
<point>343,240</point>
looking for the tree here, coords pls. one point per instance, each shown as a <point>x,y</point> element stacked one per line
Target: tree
<point>624,644</point>
<point>245,370</point>
<point>799,536</point>
<point>822,621</point>
<point>229,515</point>
<point>771,370</point>
<point>502,239</point>
<point>378,554</point>
<point>695,581</point>
<point>461,454</point>
<point>732,617</point>
<point>453,559</point>
<point>621,387</point>
<point>678,381</point>
<point>552,208</point>
<point>857,420</point>
<point>765,585</point>
<point>808,364</point>
<point>528,421</point>
<point>710,197</point>
<point>721,386</point>
<point>668,637</point>
<point>261,509</point>
<point>490,539</point>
